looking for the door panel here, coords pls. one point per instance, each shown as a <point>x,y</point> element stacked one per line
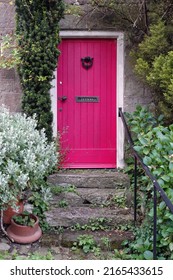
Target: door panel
<point>87,128</point>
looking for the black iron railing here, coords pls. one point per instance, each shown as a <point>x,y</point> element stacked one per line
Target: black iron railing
<point>157,188</point>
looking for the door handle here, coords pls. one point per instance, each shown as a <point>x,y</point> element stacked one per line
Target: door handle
<point>63,98</point>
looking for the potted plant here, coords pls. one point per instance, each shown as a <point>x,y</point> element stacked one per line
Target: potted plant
<point>24,228</point>
<point>26,159</point>
<point>11,211</point>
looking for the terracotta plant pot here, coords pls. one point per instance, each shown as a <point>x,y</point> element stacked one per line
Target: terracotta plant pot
<point>24,234</point>
<point>10,212</point>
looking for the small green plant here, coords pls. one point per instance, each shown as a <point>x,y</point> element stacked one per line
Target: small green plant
<point>106,242</point>
<point>4,255</point>
<point>36,256</point>
<point>120,201</point>
<point>63,203</point>
<point>40,201</point>
<point>71,188</point>
<point>24,219</point>
<point>60,189</point>
<point>121,255</point>
<point>30,256</point>
<point>85,242</point>
<point>115,200</point>
<point>93,225</point>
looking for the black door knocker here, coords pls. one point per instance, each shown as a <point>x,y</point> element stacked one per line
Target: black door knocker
<point>87,62</point>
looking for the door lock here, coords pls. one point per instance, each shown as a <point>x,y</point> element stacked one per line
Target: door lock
<point>63,98</point>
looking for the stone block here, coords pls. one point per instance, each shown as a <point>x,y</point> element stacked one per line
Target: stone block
<point>92,179</point>
<point>70,216</point>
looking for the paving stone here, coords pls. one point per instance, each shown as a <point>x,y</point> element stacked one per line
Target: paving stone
<point>4,240</point>
<point>4,247</point>
<point>24,249</point>
<point>56,249</point>
<point>43,251</point>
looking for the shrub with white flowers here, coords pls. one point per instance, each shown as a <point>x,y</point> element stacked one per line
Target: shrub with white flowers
<point>26,158</point>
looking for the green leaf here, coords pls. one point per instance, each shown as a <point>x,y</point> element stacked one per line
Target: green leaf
<point>148,255</point>
<point>165,178</point>
<point>160,118</point>
<point>143,141</point>
<point>161,182</point>
<point>147,160</point>
<point>138,148</point>
<point>171,166</point>
<point>146,151</point>
<point>162,205</point>
<point>171,246</point>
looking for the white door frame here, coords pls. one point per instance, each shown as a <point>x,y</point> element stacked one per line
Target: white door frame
<point>119,36</point>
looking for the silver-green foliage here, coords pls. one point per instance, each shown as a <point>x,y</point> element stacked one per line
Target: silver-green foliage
<point>26,158</point>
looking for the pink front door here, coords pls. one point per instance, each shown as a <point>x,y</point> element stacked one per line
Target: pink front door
<point>87,102</point>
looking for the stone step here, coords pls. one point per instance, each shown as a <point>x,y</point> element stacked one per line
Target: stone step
<point>68,237</point>
<point>85,197</point>
<point>103,179</point>
<point>70,216</point>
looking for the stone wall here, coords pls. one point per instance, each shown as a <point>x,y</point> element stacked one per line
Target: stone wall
<point>135,92</point>
<point>10,91</point>
<point>7,18</point>
<point>85,19</point>
<point>88,18</point>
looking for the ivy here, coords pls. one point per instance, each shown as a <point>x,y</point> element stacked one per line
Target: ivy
<point>37,33</point>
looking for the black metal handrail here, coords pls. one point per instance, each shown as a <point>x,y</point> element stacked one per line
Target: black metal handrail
<point>157,187</point>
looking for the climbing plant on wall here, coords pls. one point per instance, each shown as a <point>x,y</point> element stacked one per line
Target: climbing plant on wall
<point>154,60</point>
<point>37,31</point>
<point>149,33</point>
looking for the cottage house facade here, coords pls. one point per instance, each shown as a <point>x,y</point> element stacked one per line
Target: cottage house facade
<point>93,79</point>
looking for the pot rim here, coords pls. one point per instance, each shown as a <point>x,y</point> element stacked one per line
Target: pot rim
<point>23,214</point>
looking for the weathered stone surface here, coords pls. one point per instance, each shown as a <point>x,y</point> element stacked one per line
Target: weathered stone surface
<point>85,197</point>
<point>88,179</point>
<point>4,247</point>
<point>51,239</point>
<point>43,250</point>
<point>99,196</point>
<point>25,249</point>
<point>70,216</point>
<point>72,199</point>
<point>115,238</point>
<point>68,237</point>
<point>4,240</point>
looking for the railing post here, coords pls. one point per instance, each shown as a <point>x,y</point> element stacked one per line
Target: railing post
<point>135,189</point>
<point>155,224</point>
